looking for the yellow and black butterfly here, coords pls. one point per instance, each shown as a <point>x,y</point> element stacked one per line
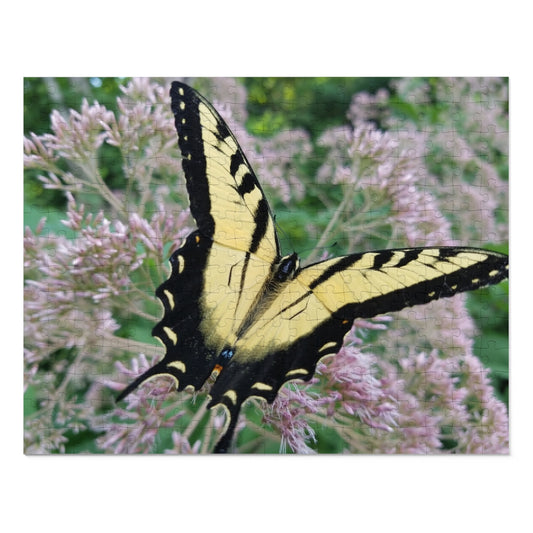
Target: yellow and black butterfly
<point>236,309</point>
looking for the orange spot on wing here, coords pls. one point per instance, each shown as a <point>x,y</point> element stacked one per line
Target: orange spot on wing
<point>216,371</point>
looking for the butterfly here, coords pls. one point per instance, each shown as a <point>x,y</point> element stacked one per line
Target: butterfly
<point>237,311</point>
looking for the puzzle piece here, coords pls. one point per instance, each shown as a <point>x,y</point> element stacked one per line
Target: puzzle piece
<point>364,191</point>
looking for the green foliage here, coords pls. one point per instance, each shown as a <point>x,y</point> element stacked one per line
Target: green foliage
<point>328,440</point>
<point>490,309</point>
<point>313,104</point>
<point>81,442</point>
<point>42,95</point>
<point>34,213</point>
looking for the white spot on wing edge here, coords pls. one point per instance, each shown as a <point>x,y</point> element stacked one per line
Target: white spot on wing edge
<point>296,371</point>
<point>170,299</point>
<point>261,386</point>
<point>181,264</point>
<point>179,365</point>
<point>232,396</point>
<point>327,346</point>
<point>171,335</point>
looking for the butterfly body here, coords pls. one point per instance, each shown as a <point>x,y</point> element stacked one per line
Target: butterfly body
<point>236,310</point>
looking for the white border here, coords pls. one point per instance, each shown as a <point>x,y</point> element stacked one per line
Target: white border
<point>265,493</point>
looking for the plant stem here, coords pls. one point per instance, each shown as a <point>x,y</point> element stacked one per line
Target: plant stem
<point>326,233</point>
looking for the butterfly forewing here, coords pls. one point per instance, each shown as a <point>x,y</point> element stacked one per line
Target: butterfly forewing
<point>372,283</point>
<point>226,198</point>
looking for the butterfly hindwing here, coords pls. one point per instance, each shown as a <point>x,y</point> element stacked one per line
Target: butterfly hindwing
<point>179,330</point>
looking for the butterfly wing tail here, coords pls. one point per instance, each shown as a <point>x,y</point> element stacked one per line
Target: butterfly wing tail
<point>224,443</point>
<point>232,409</point>
<point>157,370</point>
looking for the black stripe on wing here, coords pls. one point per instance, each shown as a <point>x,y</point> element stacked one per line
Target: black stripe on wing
<point>184,103</point>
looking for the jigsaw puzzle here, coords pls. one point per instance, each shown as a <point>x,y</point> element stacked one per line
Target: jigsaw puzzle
<point>311,242</point>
